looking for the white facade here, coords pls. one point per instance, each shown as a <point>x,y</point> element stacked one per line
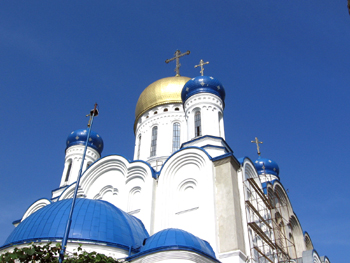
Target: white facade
<point>200,188</point>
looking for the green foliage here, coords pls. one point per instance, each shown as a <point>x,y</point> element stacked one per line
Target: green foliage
<point>48,253</point>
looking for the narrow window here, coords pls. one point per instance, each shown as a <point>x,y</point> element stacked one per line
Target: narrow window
<point>68,171</point>
<point>197,124</point>
<point>177,109</point>
<point>138,148</point>
<point>176,136</point>
<point>154,141</point>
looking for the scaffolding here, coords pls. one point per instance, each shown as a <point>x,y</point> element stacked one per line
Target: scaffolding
<point>266,226</point>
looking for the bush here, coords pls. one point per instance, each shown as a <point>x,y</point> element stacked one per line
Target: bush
<point>48,253</point>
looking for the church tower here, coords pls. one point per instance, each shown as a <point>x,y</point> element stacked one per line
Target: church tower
<point>203,98</point>
<point>160,125</point>
<point>75,147</point>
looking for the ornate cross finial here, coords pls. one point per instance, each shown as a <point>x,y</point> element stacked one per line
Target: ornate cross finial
<point>93,113</point>
<point>177,56</point>
<point>257,145</point>
<point>201,64</point>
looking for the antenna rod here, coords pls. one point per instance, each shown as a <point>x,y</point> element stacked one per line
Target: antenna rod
<point>92,114</point>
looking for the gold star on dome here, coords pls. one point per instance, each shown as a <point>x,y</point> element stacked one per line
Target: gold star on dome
<point>218,87</point>
<point>90,139</point>
<point>202,83</point>
<point>187,89</point>
<point>77,137</point>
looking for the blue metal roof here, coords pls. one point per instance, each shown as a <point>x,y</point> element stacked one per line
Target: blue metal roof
<point>271,167</point>
<point>175,239</point>
<point>79,137</point>
<point>93,220</point>
<point>203,84</point>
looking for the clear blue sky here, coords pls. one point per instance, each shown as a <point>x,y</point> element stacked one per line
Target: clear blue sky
<point>285,66</point>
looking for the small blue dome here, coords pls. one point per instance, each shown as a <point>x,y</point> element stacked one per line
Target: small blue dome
<point>203,84</point>
<point>93,221</point>
<point>78,137</point>
<point>175,239</point>
<point>271,167</point>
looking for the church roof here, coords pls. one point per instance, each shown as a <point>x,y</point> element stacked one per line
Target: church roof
<point>175,239</point>
<point>160,92</point>
<point>79,137</point>
<point>266,166</point>
<point>93,221</point>
<point>203,84</point>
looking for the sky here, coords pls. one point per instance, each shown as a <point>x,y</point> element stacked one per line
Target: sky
<point>284,65</point>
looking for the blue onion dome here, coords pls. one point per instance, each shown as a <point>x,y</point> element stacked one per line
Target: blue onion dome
<point>203,84</point>
<point>95,221</point>
<point>271,167</point>
<point>78,137</point>
<point>176,239</point>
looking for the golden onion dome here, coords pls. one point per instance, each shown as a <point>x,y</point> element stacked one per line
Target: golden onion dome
<point>160,92</point>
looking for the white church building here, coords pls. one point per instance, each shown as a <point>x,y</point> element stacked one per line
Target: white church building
<point>185,197</point>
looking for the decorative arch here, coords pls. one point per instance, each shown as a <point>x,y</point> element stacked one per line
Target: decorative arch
<point>69,192</point>
<point>297,235</point>
<point>282,200</point>
<point>185,193</point>
<point>308,242</point>
<point>134,199</point>
<point>35,207</point>
<point>108,167</point>
<point>105,190</point>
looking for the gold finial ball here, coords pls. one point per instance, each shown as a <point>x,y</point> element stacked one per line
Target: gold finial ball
<point>160,92</point>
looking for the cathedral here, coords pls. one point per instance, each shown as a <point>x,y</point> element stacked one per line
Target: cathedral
<point>185,197</point>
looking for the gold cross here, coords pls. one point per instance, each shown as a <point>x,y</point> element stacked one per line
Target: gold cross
<point>201,64</point>
<point>257,144</point>
<point>178,55</point>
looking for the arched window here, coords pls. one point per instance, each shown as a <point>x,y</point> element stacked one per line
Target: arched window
<point>197,124</point>
<point>138,148</point>
<point>176,136</point>
<point>221,125</point>
<point>68,170</point>
<point>154,141</point>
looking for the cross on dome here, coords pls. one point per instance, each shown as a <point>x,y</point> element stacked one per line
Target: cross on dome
<point>256,141</point>
<point>201,64</point>
<point>177,56</point>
